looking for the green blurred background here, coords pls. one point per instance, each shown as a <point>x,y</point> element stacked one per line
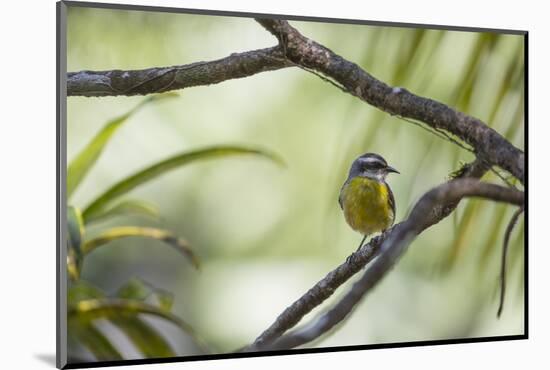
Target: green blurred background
<point>266,234</point>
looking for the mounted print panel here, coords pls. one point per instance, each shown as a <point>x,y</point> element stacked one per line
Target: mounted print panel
<point>236,185</point>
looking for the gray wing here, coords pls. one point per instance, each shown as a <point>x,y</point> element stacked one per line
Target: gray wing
<point>340,195</point>
<point>392,200</point>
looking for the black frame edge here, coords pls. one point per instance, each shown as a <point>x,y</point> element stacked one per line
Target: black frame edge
<point>227,13</point>
<point>237,355</point>
<point>526,209</point>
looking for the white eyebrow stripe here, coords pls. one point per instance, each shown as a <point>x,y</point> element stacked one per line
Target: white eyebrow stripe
<point>371,160</point>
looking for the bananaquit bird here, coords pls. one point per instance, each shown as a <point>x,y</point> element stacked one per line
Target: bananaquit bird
<point>366,198</point>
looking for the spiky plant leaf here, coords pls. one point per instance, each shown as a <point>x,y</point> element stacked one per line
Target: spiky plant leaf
<point>75,228</point>
<point>86,158</point>
<point>128,207</point>
<point>107,236</point>
<point>164,166</point>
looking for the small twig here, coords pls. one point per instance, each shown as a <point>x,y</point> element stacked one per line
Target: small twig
<point>454,141</point>
<point>338,86</point>
<point>445,136</point>
<point>437,132</point>
<point>504,179</point>
<point>431,131</point>
<point>509,229</point>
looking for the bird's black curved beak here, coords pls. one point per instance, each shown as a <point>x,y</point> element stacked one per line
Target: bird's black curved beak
<point>391,169</point>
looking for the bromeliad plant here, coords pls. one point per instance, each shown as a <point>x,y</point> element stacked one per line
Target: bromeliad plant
<point>136,299</point>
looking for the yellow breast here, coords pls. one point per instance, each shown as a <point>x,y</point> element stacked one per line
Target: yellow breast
<point>366,205</point>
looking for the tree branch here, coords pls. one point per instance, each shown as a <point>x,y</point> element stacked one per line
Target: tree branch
<point>156,80</point>
<point>487,143</point>
<point>328,285</point>
<point>426,210</point>
<point>296,49</point>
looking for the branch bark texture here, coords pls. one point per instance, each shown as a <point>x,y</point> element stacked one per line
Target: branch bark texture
<point>157,80</point>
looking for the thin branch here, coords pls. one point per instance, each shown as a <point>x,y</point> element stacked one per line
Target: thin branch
<point>155,80</point>
<point>328,285</point>
<point>506,242</point>
<point>504,179</point>
<point>422,216</point>
<point>439,133</point>
<point>328,80</point>
<point>486,142</point>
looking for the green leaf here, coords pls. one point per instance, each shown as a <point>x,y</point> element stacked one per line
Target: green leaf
<point>72,269</point>
<point>126,208</point>
<point>516,118</point>
<point>134,289</point>
<point>93,340</point>
<point>113,308</point>
<point>505,84</point>
<point>181,245</point>
<point>146,338</point>
<point>82,291</point>
<point>464,89</point>
<point>75,228</point>
<point>433,45</point>
<point>140,290</point>
<point>84,161</point>
<point>408,49</point>
<point>165,300</point>
<point>463,233</point>
<point>160,168</point>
